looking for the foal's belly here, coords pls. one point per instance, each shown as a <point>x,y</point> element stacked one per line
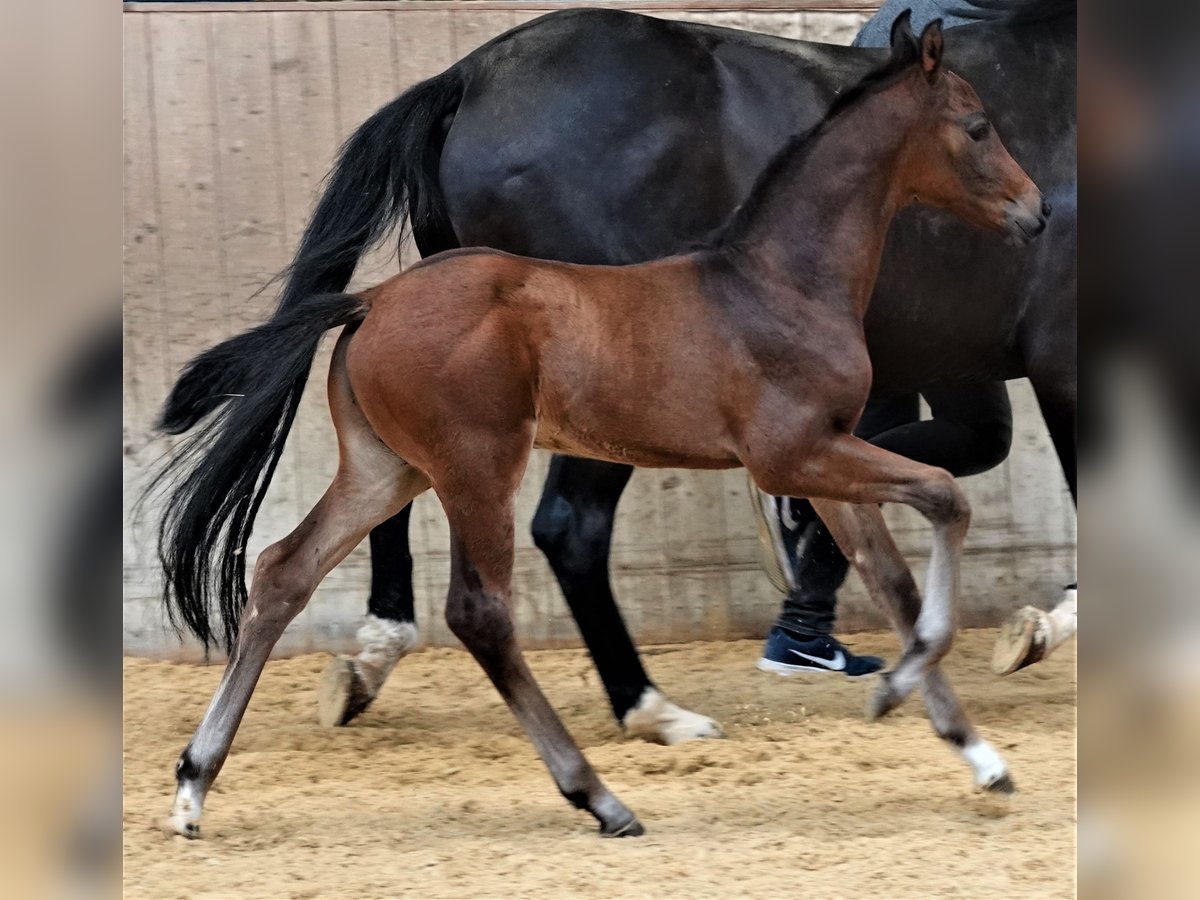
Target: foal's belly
<point>676,445</point>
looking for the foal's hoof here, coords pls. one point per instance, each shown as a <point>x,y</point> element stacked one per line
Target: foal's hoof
<point>1021,642</point>
<point>632,828</point>
<point>882,700</point>
<point>173,825</point>
<point>1002,785</point>
<point>341,695</point>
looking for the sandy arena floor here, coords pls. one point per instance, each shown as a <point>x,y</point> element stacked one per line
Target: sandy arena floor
<point>434,792</point>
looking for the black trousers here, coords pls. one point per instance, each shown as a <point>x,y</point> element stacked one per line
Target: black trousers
<point>969,431</point>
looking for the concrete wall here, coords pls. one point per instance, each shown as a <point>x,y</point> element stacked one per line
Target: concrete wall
<point>233,113</point>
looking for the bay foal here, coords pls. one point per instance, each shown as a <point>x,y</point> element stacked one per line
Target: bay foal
<point>748,352</point>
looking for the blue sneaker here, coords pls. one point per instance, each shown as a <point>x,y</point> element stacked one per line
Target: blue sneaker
<point>787,656</point>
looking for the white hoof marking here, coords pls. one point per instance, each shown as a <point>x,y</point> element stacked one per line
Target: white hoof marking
<point>657,719</point>
<point>987,765</point>
<point>185,812</point>
<point>384,643</point>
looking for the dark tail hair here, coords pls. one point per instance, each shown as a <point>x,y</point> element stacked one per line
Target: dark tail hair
<point>388,167</point>
<point>218,477</point>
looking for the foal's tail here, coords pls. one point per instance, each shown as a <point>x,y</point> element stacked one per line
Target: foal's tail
<point>388,168</point>
<point>218,477</point>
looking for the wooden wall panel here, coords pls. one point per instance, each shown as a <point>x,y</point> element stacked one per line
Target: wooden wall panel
<point>233,116</point>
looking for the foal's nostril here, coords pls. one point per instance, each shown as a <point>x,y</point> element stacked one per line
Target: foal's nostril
<point>1046,209</point>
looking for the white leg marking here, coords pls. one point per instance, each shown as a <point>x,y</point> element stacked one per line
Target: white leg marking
<point>185,811</point>
<point>383,644</point>
<point>1062,621</point>
<point>657,719</point>
<point>988,765</point>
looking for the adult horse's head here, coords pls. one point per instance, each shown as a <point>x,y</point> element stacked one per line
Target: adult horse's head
<point>955,159</point>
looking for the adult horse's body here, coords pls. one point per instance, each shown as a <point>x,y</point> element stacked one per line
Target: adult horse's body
<point>604,137</point>
<point>749,352</point>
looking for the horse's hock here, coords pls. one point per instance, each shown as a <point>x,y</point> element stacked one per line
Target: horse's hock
<point>233,113</point>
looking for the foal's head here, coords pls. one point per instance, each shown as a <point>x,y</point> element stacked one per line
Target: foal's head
<point>953,157</point>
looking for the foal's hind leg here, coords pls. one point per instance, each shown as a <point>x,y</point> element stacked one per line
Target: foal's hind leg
<point>371,484</point>
<point>864,537</point>
<point>478,611</point>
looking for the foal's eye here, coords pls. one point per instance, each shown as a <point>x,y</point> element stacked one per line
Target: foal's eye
<point>977,131</point>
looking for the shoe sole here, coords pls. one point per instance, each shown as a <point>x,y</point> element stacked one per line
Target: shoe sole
<point>785,670</point>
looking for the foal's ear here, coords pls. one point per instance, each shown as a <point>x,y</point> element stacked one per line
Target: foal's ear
<point>931,50</point>
<point>904,42</point>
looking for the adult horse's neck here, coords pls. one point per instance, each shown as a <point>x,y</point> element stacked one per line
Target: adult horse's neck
<point>817,219</point>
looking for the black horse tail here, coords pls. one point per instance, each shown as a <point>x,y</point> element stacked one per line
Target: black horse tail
<point>387,168</point>
<point>218,477</point>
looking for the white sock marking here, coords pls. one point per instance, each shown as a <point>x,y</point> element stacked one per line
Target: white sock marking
<point>985,762</point>
<point>657,719</point>
<point>383,643</point>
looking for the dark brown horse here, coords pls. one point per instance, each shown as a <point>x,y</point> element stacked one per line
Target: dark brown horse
<point>748,352</point>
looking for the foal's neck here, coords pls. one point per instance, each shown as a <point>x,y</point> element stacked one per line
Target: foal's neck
<point>817,223</point>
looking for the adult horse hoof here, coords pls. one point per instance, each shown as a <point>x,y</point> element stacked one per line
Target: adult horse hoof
<point>342,693</point>
<point>632,828</point>
<point>1022,641</point>
<point>882,700</point>
<point>1002,785</point>
<point>658,720</point>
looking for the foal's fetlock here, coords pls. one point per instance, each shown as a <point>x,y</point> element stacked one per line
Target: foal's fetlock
<point>615,819</point>
<point>883,699</point>
<point>189,799</point>
<point>989,768</point>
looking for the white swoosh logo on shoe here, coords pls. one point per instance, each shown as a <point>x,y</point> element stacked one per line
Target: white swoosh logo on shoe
<point>836,664</point>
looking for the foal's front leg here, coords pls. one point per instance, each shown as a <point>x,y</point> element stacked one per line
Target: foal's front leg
<point>847,469</point>
<point>864,537</point>
<point>844,468</point>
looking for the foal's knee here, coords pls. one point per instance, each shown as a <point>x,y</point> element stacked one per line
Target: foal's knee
<point>932,643</point>
<point>943,502</point>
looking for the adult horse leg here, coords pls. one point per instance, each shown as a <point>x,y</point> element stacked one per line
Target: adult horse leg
<point>350,683</point>
<point>864,537</point>
<point>478,611</point>
<point>389,633</point>
<point>371,484</point>
<point>1031,634</point>
<point>573,528</point>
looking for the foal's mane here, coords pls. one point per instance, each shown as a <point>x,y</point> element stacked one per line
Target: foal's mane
<point>799,145</point>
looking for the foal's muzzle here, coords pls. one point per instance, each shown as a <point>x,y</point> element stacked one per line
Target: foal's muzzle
<point>1025,218</point>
